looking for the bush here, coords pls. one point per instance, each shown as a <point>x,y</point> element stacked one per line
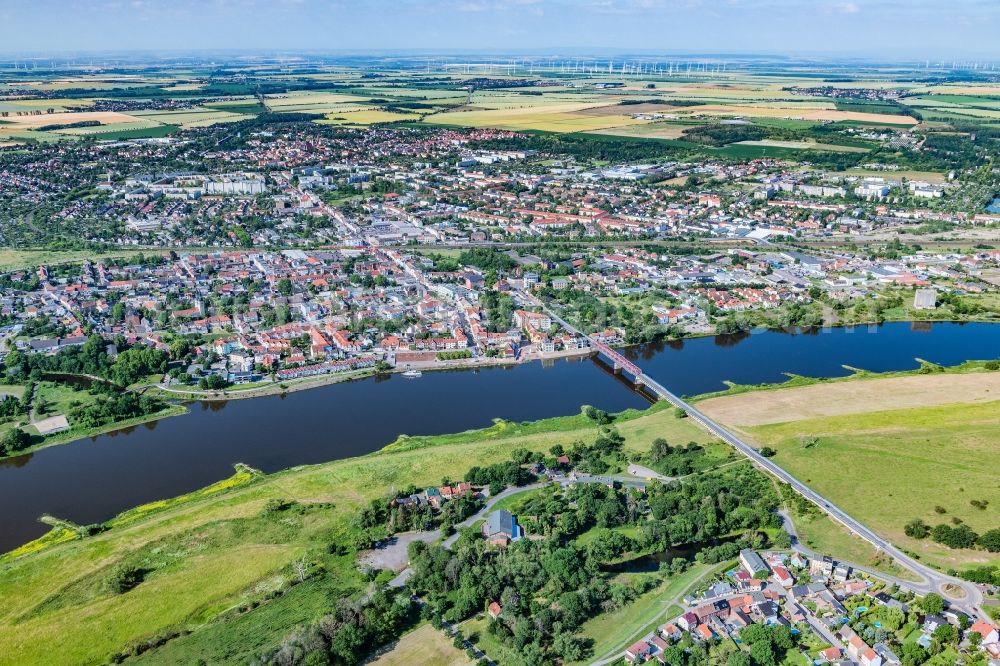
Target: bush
<point>124,577</point>
<point>916,529</point>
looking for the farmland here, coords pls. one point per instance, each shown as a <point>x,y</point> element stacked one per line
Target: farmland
<point>655,108</point>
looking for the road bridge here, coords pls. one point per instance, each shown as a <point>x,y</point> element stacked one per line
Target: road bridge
<point>961,594</point>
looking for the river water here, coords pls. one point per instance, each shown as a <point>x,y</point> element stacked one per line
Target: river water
<point>91,480</point>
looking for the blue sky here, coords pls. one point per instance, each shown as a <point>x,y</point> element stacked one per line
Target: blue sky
<point>900,28</point>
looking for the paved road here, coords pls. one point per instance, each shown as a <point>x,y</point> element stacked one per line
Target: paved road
<point>936,580</point>
<point>972,599</point>
<point>434,535</point>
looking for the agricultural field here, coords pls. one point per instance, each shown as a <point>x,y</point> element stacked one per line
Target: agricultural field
<point>551,116</point>
<point>366,117</point>
<point>65,118</point>
<point>937,430</point>
<point>568,105</point>
<point>802,145</point>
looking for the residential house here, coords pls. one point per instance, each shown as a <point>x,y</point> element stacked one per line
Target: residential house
<point>501,528</point>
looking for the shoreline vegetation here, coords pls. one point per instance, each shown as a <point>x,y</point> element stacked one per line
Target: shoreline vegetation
<point>500,430</point>
<point>271,388</point>
<point>262,550</point>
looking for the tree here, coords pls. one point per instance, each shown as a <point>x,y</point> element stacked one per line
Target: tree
<point>124,577</point>
<point>932,604</point>
<point>762,653</point>
<point>569,647</point>
<point>916,529</point>
<point>14,440</point>
<point>912,654</point>
<point>739,659</point>
<point>990,540</point>
<point>946,634</point>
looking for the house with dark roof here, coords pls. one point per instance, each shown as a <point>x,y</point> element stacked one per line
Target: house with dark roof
<point>501,528</point>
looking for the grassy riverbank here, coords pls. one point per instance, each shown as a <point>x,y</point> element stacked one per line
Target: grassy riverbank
<point>219,567</point>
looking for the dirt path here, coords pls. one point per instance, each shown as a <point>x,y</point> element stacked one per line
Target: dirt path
<point>852,397</point>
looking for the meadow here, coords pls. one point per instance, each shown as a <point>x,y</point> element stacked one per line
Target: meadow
<point>887,450</point>
<point>424,645</point>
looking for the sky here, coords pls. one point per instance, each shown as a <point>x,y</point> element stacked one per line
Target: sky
<point>903,29</point>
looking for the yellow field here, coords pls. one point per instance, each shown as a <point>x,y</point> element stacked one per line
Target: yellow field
<point>556,117</point>
<point>798,113</point>
<point>852,397</point>
<point>16,105</point>
<point>367,117</point>
<point>215,119</point>
<point>945,89</point>
<point>103,117</point>
<point>103,129</point>
<point>310,99</point>
<point>654,130</point>
<point>197,117</point>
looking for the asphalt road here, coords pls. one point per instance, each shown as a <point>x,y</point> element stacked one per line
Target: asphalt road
<point>970,602</point>
<point>935,580</point>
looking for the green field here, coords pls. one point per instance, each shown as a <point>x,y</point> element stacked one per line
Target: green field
<point>940,457</point>
<point>11,259</point>
<point>613,632</point>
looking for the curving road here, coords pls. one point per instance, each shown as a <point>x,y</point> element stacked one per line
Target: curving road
<point>934,581</point>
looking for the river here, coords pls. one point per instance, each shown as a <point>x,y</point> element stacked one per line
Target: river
<point>91,480</point>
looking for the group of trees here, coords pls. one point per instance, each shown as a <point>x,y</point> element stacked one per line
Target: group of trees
<point>114,408</point>
<point>382,517</point>
<point>90,358</point>
<point>14,440</point>
<point>954,536</point>
<point>547,590</point>
<point>548,586</point>
<point>676,460</point>
<point>499,309</point>
<point>768,645</point>
<point>349,633</point>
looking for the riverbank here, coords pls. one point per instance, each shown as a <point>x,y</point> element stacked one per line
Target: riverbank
<point>267,388</point>
<point>210,557</point>
<point>73,435</point>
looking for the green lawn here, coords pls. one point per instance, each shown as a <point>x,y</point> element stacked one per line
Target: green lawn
<point>615,631</point>
<point>11,259</point>
<point>887,468</point>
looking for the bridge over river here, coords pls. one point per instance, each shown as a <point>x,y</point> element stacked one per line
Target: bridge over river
<point>962,594</point>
